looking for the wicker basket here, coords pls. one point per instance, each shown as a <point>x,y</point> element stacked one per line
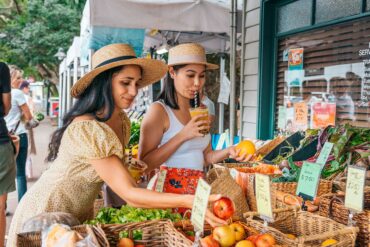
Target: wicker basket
<point>155,233</point>
<point>332,206</point>
<point>311,230</point>
<point>325,187</point>
<point>222,183</point>
<point>33,239</point>
<point>232,165</point>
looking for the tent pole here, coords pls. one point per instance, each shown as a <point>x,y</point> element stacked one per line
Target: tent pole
<point>222,105</point>
<point>241,97</point>
<point>232,70</point>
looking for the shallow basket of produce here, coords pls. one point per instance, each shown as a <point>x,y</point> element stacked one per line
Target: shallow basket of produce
<point>332,206</point>
<point>304,229</point>
<point>34,239</point>
<point>147,233</point>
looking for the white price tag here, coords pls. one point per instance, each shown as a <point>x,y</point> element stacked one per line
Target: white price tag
<point>160,180</point>
<point>200,204</point>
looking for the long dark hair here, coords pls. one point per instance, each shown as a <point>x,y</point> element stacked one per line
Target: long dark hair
<point>95,100</point>
<point>168,93</point>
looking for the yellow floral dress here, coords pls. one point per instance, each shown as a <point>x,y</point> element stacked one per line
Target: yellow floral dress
<point>71,184</point>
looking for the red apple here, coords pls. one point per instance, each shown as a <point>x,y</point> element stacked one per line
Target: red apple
<point>253,238</point>
<point>224,208</point>
<point>224,235</point>
<point>245,243</point>
<point>209,242</point>
<point>238,230</point>
<point>125,242</point>
<point>265,240</point>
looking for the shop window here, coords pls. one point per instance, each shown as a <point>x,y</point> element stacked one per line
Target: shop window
<point>294,15</point>
<point>327,10</point>
<point>323,77</point>
<point>368,5</point>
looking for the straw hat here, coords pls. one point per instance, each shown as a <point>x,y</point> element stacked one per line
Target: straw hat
<point>190,53</point>
<point>115,55</point>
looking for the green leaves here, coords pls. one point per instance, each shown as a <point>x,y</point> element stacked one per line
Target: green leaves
<point>127,214</point>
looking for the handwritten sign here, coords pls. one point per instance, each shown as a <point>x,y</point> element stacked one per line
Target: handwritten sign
<point>355,188</point>
<point>200,205</point>
<point>300,113</point>
<point>160,181</point>
<point>308,180</point>
<point>263,196</point>
<point>324,153</point>
<point>281,117</point>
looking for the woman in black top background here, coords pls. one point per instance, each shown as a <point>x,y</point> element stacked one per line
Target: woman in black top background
<point>7,160</point>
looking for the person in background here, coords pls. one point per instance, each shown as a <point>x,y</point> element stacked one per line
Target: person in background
<point>88,149</point>
<point>18,115</point>
<point>25,87</point>
<point>209,104</point>
<point>7,158</point>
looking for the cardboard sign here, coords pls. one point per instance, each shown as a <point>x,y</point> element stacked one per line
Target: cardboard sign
<point>281,117</point>
<point>160,180</point>
<point>200,204</point>
<point>263,196</point>
<point>355,188</point>
<point>308,180</point>
<point>324,154</point>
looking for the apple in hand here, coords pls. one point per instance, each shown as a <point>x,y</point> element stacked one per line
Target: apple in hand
<point>224,235</point>
<point>224,208</point>
<point>245,243</point>
<point>238,230</point>
<point>209,242</point>
<point>265,240</point>
<point>125,242</point>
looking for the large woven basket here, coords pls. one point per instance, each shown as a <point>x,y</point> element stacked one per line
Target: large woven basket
<point>332,206</point>
<point>154,233</point>
<point>33,239</point>
<point>325,187</point>
<point>311,230</point>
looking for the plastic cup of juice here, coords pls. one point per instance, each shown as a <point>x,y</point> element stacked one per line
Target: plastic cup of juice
<point>136,169</point>
<point>200,111</point>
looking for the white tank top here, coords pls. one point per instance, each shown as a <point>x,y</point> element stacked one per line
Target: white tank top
<point>190,154</point>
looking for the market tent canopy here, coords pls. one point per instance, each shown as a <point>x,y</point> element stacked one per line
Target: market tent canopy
<point>176,15</point>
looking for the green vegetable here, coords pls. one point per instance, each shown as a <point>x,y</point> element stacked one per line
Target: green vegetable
<point>123,234</point>
<point>127,214</point>
<point>135,133</point>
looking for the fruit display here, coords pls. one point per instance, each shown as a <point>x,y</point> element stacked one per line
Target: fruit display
<point>239,235</point>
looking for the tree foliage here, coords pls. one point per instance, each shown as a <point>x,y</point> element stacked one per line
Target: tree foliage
<point>34,34</point>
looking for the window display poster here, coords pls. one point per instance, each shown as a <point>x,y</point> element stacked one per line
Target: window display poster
<point>300,115</point>
<point>294,78</point>
<point>281,117</point>
<point>322,114</point>
<point>295,59</point>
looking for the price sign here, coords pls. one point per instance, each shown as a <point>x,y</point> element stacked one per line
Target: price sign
<point>281,117</point>
<point>263,196</point>
<point>355,188</point>
<point>160,180</point>
<point>308,180</point>
<point>200,203</point>
<point>300,113</point>
<point>324,154</point>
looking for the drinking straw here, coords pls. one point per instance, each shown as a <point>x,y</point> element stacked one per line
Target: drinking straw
<point>196,94</point>
<point>130,156</point>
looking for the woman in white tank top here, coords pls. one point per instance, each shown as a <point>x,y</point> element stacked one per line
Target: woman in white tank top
<point>169,137</point>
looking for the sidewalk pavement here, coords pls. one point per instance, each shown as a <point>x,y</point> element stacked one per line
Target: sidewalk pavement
<point>42,136</point>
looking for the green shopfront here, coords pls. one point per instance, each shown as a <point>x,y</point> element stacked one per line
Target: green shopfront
<point>313,65</point>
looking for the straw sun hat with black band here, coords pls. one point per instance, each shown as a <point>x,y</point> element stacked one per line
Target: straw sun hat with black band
<point>189,53</point>
<point>115,55</point>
